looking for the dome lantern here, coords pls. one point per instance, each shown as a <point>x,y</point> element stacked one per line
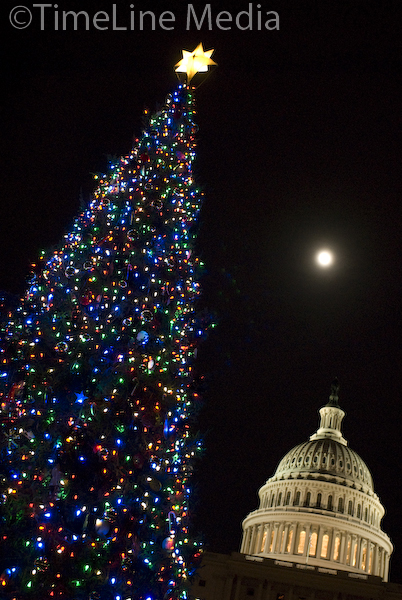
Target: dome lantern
<point>331,418</point>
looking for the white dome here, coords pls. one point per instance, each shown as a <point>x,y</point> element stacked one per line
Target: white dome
<point>326,459</point>
<point>320,506</point>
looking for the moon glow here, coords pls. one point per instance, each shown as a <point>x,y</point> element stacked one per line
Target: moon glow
<point>324,258</point>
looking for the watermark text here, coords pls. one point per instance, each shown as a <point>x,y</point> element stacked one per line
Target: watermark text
<point>129,18</point>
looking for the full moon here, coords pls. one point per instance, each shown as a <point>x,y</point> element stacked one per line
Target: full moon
<point>324,258</point>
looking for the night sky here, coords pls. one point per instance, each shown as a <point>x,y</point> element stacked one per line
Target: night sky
<point>299,148</point>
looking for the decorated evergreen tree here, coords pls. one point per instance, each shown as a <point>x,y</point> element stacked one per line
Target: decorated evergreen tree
<point>97,384</point>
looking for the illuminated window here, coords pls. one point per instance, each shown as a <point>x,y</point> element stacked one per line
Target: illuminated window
<point>264,539</point>
<point>324,546</point>
<point>313,544</point>
<point>354,556</point>
<point>271,543</point>
<point>289,544</point>
<point>282,541</point>
<point>337,547</point>
<point>302,541</point>
<point>348,552</point>
<point>364,557</point>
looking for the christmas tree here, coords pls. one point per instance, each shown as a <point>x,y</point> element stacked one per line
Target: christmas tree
<point>98,395</point>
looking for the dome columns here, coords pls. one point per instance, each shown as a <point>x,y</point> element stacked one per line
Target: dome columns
<point>320,545</point>
<point>330,425</point>
<point>245,544</point>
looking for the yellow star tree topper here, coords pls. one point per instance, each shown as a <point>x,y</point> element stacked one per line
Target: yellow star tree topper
<point>194,62</point>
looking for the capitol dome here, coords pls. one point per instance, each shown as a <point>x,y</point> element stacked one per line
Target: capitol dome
<point>320,508</point>
<point>327,458</point>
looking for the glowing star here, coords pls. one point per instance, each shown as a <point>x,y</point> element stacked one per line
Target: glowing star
<point>324,258</point>
<point>194,62</point>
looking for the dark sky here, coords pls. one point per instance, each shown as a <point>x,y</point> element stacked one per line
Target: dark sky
<point>299,147</point>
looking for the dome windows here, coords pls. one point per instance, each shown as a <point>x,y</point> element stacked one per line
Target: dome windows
<point>324,546</point>
<point>281,548</point>
<point>348,550</point>
<point>263,541</point>
<point>313,544</point>
<point>337,548</point>
<point>271,542</point>
<point>364,556</point>
<point>354,558</point>
<point>302,542</point>
<point>289,541</point>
